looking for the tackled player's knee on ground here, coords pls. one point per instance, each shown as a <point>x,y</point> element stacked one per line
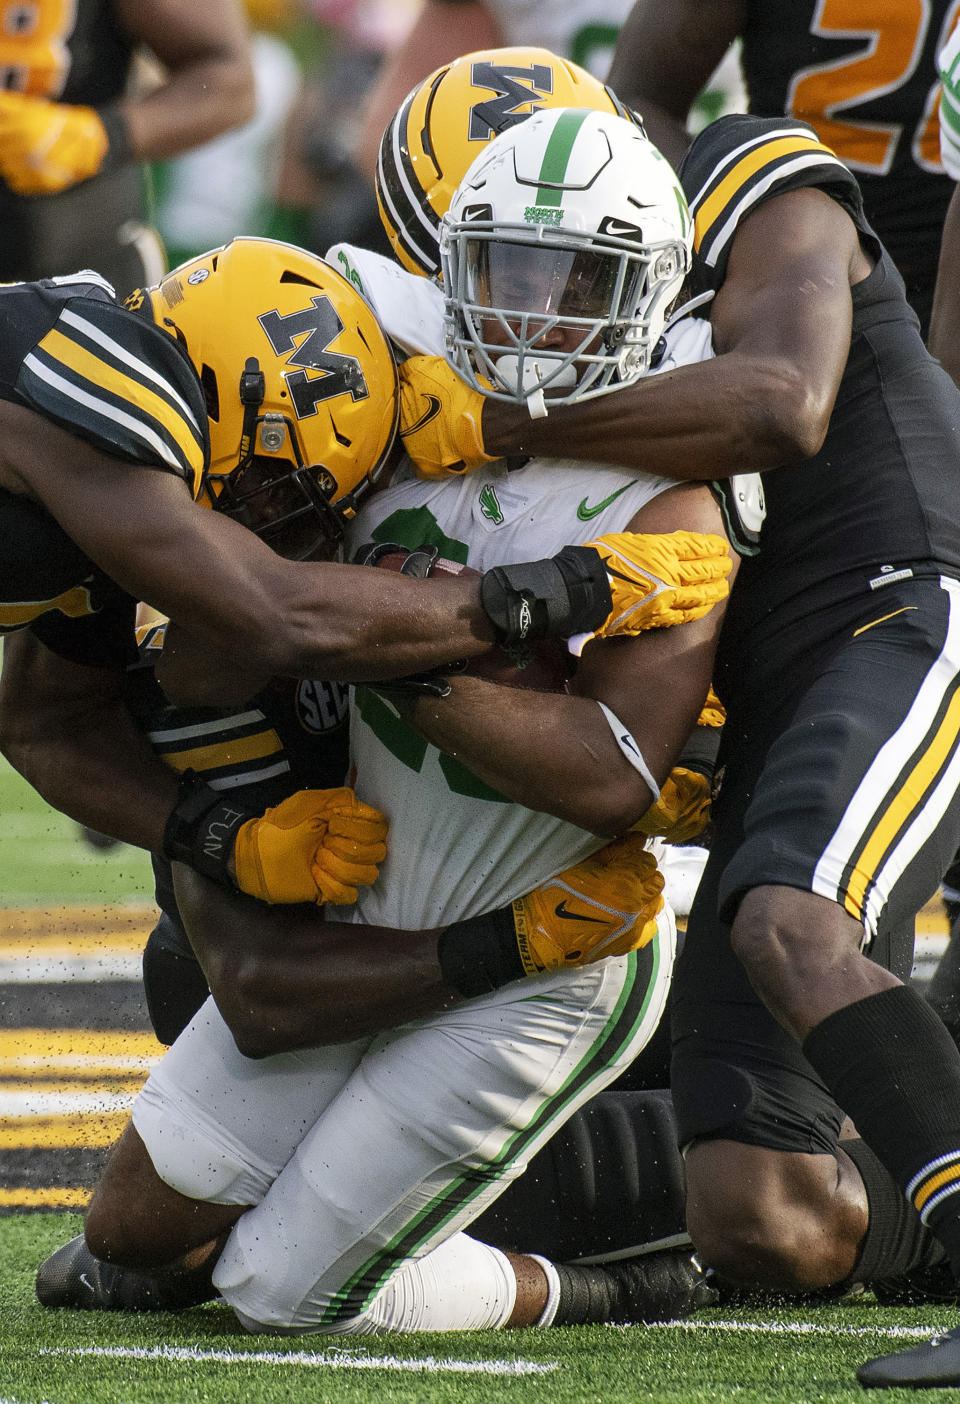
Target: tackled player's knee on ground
<point>772,1219</point>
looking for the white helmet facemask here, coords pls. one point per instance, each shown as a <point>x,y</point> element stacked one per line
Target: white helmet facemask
<point>564,248</point>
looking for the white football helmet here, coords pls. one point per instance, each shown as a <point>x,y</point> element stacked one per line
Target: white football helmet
<point>563,249</point>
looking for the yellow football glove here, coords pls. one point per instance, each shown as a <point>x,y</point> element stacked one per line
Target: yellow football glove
<point>682,811</point>
<point>440,418</point>
<point>605,906</point>
<point>317,846</point>
<point>714,713</point>
<point>46,146</point>
<point>659,580</point>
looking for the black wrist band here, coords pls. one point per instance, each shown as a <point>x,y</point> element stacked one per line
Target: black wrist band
<point>700,750</point>
<point>565,594</point>
<point>118,137</point>
<point>480,954</point>
<point>202,829</point>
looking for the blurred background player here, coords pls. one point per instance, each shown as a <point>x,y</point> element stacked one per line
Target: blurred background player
<point>78,119</point>
<point>289,172</point>
<point>864,77</point>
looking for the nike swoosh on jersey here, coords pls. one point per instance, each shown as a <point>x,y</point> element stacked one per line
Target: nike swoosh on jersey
<point>586,513</point>
<point>561,911</point>
<point>433,409</point>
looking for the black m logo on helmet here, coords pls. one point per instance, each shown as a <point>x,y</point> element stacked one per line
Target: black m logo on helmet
<point>319,325</point>
<point>496,115</point>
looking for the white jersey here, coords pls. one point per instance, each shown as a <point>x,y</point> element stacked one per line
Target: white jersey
<point>583,30</point>
<point>471,849</point>
<point>949,64</point>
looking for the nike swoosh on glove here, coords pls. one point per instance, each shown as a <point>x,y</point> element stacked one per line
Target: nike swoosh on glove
<point>440,419</point>
<point>604,906</point>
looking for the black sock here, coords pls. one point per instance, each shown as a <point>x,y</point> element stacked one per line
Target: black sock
<point>893,1068</point>
<point>896,1242</point>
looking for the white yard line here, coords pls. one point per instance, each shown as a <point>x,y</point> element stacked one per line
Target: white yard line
<point>331,1360</point>
<point>796,1328</point>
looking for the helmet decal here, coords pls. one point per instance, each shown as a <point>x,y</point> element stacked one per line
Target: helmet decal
<point>515,88</point>
<point>448,118</point>
<point>319,326</point>
<point>302,397</point>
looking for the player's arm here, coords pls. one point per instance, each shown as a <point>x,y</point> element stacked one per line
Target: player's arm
<point>208,83</point>
<point>443,30</point>
<point>560,753</point>
<point>781,329</point>
<point>222,582</point>
<point>192,673</point>
<point>65,728</point>
<point>664,56</point>
<point>285,978</point>
<point>944,337</point>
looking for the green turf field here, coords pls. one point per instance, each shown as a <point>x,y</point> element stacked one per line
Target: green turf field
<point>44,862</point>
<point>757,1356</point>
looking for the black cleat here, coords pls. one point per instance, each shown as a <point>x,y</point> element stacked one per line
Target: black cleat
<point>73,1277</point>
<point>665,1286</point>
<point>935,1283</point>
<point>933,1365</point>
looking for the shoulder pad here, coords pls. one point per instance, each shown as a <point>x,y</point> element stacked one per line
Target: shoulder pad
<point>118,381</point>
<point>408,307</point>
<point>744,508</point>
<point>739,162</point>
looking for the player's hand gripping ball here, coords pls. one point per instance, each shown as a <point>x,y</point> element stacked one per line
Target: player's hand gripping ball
<point>604,906</point>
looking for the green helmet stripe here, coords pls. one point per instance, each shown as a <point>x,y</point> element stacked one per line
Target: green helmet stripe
<point>557,155</point>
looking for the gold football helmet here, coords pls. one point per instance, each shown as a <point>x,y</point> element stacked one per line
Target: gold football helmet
<point>300,384</point>
<point>449,118</point>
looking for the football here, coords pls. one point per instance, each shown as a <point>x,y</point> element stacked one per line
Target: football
<point>545,666</point>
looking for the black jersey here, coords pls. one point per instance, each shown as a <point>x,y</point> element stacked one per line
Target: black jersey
<point>113,379</point>
<point>72,51</point>
<point>882,496</point>
<point>293,735</point>
<point>870,89</point>
<point>66,50</point>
